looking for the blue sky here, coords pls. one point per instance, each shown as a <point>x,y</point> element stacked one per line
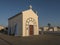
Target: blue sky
<point>48,10</point>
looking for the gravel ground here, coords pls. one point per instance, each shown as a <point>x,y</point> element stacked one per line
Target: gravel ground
<point>31,40</point>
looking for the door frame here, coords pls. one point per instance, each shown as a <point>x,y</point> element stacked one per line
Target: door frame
<point>31,30</point>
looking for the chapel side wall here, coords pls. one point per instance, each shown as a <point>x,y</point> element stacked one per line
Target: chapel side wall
<point>8,26</point>
<point>13,21</point>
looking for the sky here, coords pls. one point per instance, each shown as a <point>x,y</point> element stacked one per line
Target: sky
<point>48,10</point>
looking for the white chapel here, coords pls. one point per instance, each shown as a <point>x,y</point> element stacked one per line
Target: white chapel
<point>24,23</point>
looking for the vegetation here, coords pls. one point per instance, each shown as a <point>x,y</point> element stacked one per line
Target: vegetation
<point>49,25</point>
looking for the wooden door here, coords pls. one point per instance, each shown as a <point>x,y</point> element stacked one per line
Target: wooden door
<point>31,28</point>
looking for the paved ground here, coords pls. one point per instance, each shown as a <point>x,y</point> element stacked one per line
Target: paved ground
<point>3,42</point>
<point>32,40</point>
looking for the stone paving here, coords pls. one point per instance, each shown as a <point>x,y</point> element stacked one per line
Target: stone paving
<point>31,40</point>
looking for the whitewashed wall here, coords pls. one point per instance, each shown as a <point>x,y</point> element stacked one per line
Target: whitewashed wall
<point>13,21</point>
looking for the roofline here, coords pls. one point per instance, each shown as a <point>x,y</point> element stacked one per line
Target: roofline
<point>14,15</point>
<point>21,13</point>
<point>32,10</point>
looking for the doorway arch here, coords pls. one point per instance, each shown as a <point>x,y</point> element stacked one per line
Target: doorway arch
<point>30,26</point>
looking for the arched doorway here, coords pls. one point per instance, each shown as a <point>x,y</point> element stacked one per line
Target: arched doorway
<point>30,26</point>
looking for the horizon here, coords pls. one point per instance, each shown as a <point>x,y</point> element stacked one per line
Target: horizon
<point>48,10</point>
